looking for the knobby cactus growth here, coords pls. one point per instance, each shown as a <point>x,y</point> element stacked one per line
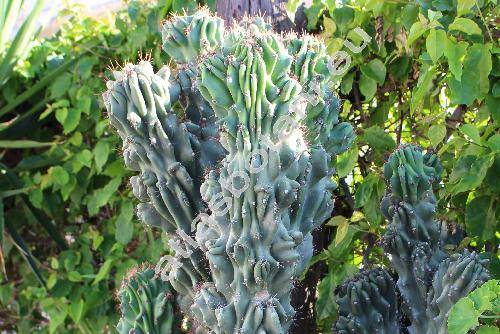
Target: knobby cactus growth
<point>429,280</point>
<point>147,305</point>
<point>233,150</point>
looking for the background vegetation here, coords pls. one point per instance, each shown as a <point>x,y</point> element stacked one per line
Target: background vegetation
<point>430,75</point>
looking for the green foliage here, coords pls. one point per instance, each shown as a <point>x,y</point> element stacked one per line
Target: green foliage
<point>465,314</point>
<point>427,76</point>
<point>66,181</point>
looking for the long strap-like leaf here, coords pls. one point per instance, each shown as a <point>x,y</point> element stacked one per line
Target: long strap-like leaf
<point>20,42</point>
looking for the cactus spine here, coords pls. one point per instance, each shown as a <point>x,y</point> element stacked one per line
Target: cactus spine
<point>235,153</point>
<point>429,280</point>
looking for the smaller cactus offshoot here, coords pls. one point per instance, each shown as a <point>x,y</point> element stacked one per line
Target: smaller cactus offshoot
<point>430,281</point>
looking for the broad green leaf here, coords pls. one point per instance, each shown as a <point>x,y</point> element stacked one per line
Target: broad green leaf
<point>124,227</point>
<point>367,86</point>
<point>103,271</point>
<point>468,173</point>
<point>336,221</point>
<point>471,132</point>
<point>435,43</point>
<point>101,153</point>
<point>462,316</point>
<point>346,161</point>
<point>423,87</point>
<point>494,143</point>
<point>474,83</point>
<point>465,25</point>
<point>69,118</point>
<point>378,139</point>
<point>436,134</point>
<point>480,217</point>
<point>75,276</point>
<point>85,158</point>
<point>60,86</point>
<point>101,196</point>
<point>76,310</point>
<point>58,175</point>
<point>375,70</point>
<point>341,232</point>
<point>57,317</point>
<point>488,330</point>
<point>464,6</point>
<point>416,30</point>
<point>456,52</point>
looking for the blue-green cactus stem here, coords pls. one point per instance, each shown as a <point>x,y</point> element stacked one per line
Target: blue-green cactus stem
<point>368,304</point>
<point>147,305</point>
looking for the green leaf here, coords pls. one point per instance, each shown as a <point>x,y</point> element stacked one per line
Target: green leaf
<point>416,30</point>
<point>57,317</point>
<point>346,161</point>
<point>378,139</point>
<point>124,227</point>
<point>436,134</point>
<point>462,316</point>
<point>103,271</point>
<point>101,152</point>
<point>58,175</point>
<point>84,157</point>
<point>367,86</point>
<point>456,52</point>
<point>101,196</point>
<point>464,6</point>
<point>75,276</point>
<point>465,25</point>
<point>468,173</point>
<point>465,313</point>
<point>424,85</point>
<point>435,44</point>
<point>471,132</point>
<point>69,118</point>
<point>474,83</point>
<point>494,143</point>
<point>375,70</point>
<point>76,310</point>
<point>488,330</point>
<point>336,221</point>
<point>480,217</point>
<point>341,232</point>
<point>60,86</point>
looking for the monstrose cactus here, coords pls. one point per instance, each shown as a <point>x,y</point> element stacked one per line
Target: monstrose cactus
<point>429,280</point>
<point>233,150</point>
<point>146,304</point>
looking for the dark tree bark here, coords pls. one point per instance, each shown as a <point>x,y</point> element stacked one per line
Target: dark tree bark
<point>231,10</point>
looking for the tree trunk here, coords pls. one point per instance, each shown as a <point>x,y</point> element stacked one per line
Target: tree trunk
<point>231,10</point>
<point>304,293</point>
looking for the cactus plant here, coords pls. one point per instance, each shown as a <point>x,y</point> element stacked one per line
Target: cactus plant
<point>147,304</point>
<point>429,281</point>
<point>225,168</point>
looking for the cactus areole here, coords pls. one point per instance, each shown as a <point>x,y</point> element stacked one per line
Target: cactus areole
<point>232,146</point>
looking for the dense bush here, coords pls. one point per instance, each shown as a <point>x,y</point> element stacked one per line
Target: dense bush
<point>429,76</point>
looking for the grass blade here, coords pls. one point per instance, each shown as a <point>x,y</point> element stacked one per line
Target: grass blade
<point>48,79</point>
<point>24,144</point>
<point>20,42</point>
<point>25,252</point>
<point>40,216</point>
